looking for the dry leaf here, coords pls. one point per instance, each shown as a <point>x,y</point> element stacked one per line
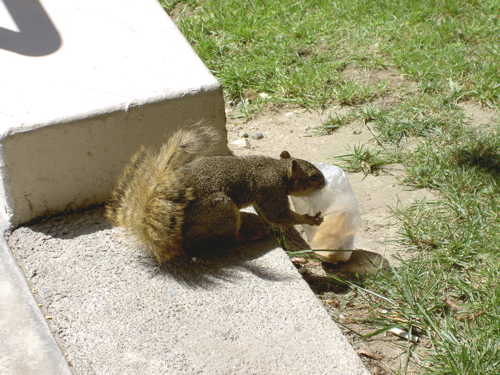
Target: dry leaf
<point>368,353</point>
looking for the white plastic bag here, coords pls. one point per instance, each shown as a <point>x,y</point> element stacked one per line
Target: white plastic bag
<point>339,208</point>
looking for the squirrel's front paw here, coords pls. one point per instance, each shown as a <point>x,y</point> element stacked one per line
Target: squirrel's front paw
<point>315,220</point>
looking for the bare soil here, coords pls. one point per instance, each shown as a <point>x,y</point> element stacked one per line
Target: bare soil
<point>292,129</point>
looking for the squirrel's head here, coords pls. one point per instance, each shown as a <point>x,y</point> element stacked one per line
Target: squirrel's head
<point>304,176</point>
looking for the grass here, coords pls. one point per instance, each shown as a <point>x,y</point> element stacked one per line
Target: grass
<point>321,53</point>
<point>334,123</point>
<point>363,158</point>
<point>302,52</point>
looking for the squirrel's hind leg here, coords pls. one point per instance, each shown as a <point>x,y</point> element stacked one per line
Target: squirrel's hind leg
<point>205,220</point>
<point>222,221</point>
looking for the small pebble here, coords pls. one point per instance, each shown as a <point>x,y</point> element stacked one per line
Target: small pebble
<point>243,143</point>
<point>257,136</point>
<point>302,270</point>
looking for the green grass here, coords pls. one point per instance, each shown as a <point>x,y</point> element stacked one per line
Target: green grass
<point>363,158</point>
<point>299,51</point>
<point>314,54</point>
<point>334,123</point>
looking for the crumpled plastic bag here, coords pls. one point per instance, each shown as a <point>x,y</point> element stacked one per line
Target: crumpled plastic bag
<point>339,207</point>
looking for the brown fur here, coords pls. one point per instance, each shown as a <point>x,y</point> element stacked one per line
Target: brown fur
<point>149,198</point>
<point>182,195</point>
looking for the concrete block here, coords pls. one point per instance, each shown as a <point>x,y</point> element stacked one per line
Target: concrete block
<point>83,84</point>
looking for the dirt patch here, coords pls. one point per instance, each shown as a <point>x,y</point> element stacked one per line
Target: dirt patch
<point>478,114</point>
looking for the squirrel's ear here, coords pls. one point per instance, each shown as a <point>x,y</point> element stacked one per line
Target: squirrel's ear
<point>285,155</point>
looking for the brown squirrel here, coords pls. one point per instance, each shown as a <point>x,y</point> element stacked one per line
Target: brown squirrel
<point>182,194</point>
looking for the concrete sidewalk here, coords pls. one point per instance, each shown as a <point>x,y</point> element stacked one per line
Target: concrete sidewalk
<point>235,311</point>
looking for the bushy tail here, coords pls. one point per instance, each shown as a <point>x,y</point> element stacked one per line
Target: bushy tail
<point>150,197</point>
<point>188,143</point>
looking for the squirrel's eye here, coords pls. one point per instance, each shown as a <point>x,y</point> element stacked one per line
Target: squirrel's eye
<point>314,178</point>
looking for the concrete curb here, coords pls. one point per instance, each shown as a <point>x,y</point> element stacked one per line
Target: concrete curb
<point>243,310</point>
<point>26,343</point>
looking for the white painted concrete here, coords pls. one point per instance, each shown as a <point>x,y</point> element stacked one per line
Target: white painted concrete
<point>82,85</point>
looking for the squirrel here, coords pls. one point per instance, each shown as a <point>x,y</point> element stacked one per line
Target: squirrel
<point>183,194</point>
